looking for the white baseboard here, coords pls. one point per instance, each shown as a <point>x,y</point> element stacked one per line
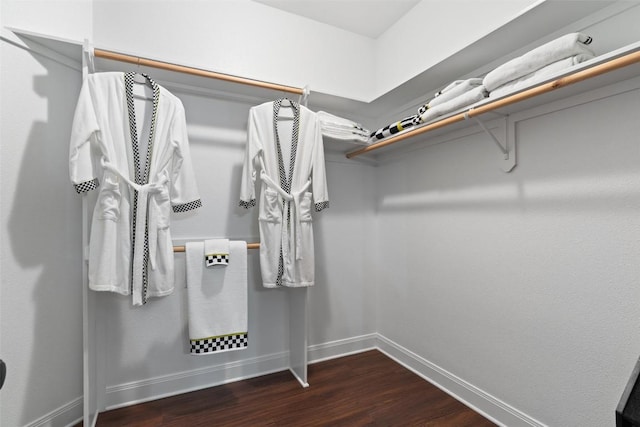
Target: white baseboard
<point>340,348</point>
<point>66,415</point>
<point>489,406</point>
<point>174,384</point>
<point>170,385</point>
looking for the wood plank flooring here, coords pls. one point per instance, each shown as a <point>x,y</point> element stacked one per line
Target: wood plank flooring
<point>366,389</point>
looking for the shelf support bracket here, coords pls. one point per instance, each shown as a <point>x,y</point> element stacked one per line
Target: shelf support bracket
<point>508,149</point>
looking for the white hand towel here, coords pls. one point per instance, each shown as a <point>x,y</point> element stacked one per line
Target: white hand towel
<point>217,301</point>
<point>216,252</point>
<point>555,50</point>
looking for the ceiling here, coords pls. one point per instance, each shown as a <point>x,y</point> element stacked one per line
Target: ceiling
<point>369,18</point>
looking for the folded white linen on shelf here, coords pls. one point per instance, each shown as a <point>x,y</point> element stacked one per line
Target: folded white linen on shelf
<point>331,120</point>
<point>341,128</point>
<point>345,135</point>
<point>563,47</point>
<point>540,75</point>
<point>217,301</point>
<point>470,94</point>
<point>336,130</point>
<point>466,99</point>
<point>453,90</point>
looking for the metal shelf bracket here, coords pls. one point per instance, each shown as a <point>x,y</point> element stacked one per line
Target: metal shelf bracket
<point>508,149</point>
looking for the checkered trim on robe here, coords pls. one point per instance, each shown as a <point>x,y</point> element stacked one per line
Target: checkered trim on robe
<point>285,180</point>
<point>86,186</point>
<point>141,174</point>
<point>251,203</point>
<point>321,206</point>
<point>186,207</point>
<point>220,344</point>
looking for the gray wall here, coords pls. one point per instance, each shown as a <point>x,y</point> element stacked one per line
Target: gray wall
<point>524,285</point>
<point>41,317</point>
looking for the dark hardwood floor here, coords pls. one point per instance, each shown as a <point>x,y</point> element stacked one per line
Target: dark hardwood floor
<point>366,389</point>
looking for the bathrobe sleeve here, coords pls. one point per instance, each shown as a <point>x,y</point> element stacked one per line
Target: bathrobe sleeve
<point>82,169</point>
<point>249,169</point>
<point>318,172</point>
<point>184,190</point>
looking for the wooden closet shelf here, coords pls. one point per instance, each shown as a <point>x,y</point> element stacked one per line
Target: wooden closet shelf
<point>561,82</point>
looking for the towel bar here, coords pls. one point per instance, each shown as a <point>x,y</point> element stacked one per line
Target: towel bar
<point>249,246</point>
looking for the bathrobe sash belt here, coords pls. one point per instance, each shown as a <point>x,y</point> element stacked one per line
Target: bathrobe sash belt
<point>291,202</point>
<point>144,222</point>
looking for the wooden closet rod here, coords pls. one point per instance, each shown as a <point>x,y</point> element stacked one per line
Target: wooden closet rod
<point>249,246</point>
<point>107,54</point>
<point>596,70</point>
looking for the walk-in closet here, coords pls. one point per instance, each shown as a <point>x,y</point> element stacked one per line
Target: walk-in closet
<point>262,212</point>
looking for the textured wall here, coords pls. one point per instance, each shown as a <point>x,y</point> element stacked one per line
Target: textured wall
<point>523,284</point>
<point>41,317</point>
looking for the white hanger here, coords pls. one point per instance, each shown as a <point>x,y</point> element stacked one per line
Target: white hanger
<point>146,88</point>
<point>286,103</point>
<point>140,79</point>
<point>286,110</point>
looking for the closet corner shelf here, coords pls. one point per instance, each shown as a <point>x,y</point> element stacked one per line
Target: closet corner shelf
<point>599,66</point>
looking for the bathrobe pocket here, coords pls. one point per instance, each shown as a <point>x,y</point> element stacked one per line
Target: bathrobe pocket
<point>305,207</point>
<point>160,205</point>
<point>160,245</point>
<point>108,203</point>
<point>270,209</point>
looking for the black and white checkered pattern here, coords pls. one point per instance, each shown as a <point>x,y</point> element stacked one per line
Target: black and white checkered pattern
<point>285,180</point>
<point>394,128</point>
<point>417,119</point>
<point>219,344</point>
<point>186,207</point>
<point>216,259</point>
<point>321,206</point>
<point>251,203</point>
<point>141,174</point>
<point>83,187</point>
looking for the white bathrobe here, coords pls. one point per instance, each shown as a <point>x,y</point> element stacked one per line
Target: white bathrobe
<point>139,179</point>
<point>288,157</point>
